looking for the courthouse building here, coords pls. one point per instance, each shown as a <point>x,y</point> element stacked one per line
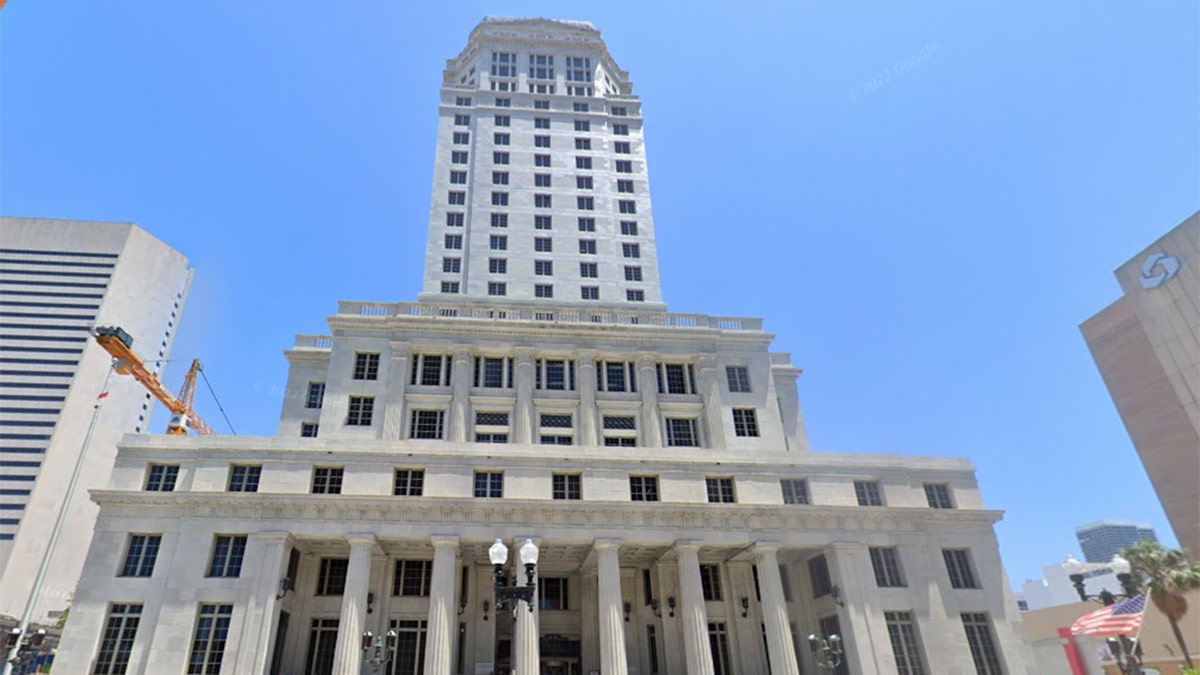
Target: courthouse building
<point>539,389</point>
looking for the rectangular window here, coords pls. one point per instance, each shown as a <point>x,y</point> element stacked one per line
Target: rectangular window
<point>462,138</point>
<point>579,107</point>
<point>828,626</point>
<point>627,206</point>
<point>620,441</point>
<point>412,578</point>
<point>498,265</point>
<point>553,593</point>
<point>244,478</point>
<point>497,288</point>
<point>161,477</point>
<point>583,144</point>
<point>499,199</point>
<point>493,372</point>
<point>583,125</point>
<point>491,419</point>
<point>583,182</point>
<point>589,292</point>
<point>818,574</point>
<point>227,555</point>
<point>542,201</point>
<point>322,646</point>
<point>620,129</point>
<point>505,102</point>
<point>447,287</point>
<point>140,555</point>
<point>408,483</point>
<point>120,630</point>
<point>498,242</point>
<point>629,228</point>
<point>681,432</point>
<point>982,643</point>
<point>624,166</point>
<point>454,242</point>
<point>674,378</point>
<point>331,577</point>
<point>902,632</point>
<point>718,644</point>
<point>500,158</point>
<point>360,411</point>
<point>454,219</point>
<point>886,563</point>
<point>617,376</point>
<point>619,111</point>
<point>499,178</point>
<point>633,273</point>
<point>745,422</point>
<point>585,203</point>
<point>451,265</point>
<point>490,438</point>
<point>938,495</point>
<point>541,123</point>
<point>710,582</point>
<point>739,378</point>
<point>554,439</point>
<point>501,139</point>
<point>430,370</point>
<point>583,163</point>
<point>867,492</point>
<point>543,244</point>
<point>541,141</point>
<point>625,186</point>
<point>958,566</point>
<point>589,270</point>
<point>427,424</point>
<point>555,375</point>
<point>543,291</point>
<point>587,246</point>
<point>566,486</point>
<point>503,121</point>
<point>458,157</point>
<point>465,100</point>
<point>643,488</point>
<point>621,147</point>
<point>489,484</point>
<point>587,224</point>
<point>541,105</point>
<point>366,366</point>
<point>631,250</point>
<point>795,491</point>
<point>316,395</point>
<point>499,219</point>
<point>541,180</point>
<point>541,160</point>
<point>458,177</point>
<point>719,489</point>
<point>327,480</point>
<point>208,642</point>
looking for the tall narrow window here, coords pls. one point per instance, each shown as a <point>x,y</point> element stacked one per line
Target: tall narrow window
<point>208,642</point>
<point>140,555</point>
<point>958,566</point>
<point>710,582</point>
<point>120,630</point>
<point>322,646</point>
<point>902,632</point>
<point>739,378</point>
<point>886,564</point>
<point>982,643</point>
<point>718,642</point>
<point>331,576</point>
<point>818,575</point>
<point>227,555</point>
<point>316,395</point>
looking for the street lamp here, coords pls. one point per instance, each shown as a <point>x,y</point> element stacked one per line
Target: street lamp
<point>509,594</point>
<point>377,649</point>
<point>1126,651</point>
<point>827,652</point>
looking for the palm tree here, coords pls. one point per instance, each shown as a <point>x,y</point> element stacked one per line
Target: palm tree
<point>1166,574</point>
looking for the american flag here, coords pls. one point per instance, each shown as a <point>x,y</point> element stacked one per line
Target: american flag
<point>1122,618</point>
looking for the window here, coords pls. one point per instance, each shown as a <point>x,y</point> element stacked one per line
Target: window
<point>454,219</point>
<point>720,490</point>
<point>451,265</point>
<point>629,228</point>
<point>588,270</point>
<point>120,630</point>
<point>327,480</point>
<point>498,265</point>
<point>643,488</point>
<point>316,395</point>
<point>541,180</point>
<point>489,484</point>
<point>633,273</point>
<point>430,370</point>
<point>583,182</point>
<point>490,438</point>
<point>543,244</point>
<point>462,138</point>
<point>464,100</point>
<point>493,372</point>
<point>902,632</point>
<point>710,582</point>
<point>541,123</point>
<point>412,578</point>
<point>140,554</point>
<point>541,105</point>
<point>503,121</point>
<point>542,201</point>
<point>745,422</point>
<point>585,203</point>
<point>631,250</point>
<point>447,287</point>
<point>739,378</point>
<point>161,477</point>
<point>322,645</point>
<point>587,246</point>
<point>427,424</point>
<point>499,219</point>
<point>620,129</point>
<point>587,224</point>
<point>982,643</point>
<point>458,157</point>
<point>589,292</point>
<point>578,70</point>
<point>627,206</point>
<point>621,147</point>
<point>541,141</point>
<point>227,555</point>
<point>497,288</point>
<point>504,65</point>
<point>583,163</point>
<point>555,375</point>
<point>543,268</point>
<point>491,419</point>
<point>500,158</point>
<point>566,486</point>
<point>360,411</point>
<point>498,242</point>
<point>244,477</point>
<point>620,111</point>
<point>366,366</point>
<point>454,242</point>
<point>543,291</point>
<point>499,199</point>
<point>541,160</point>
<point>718,644</point>
<point>458,177</point>
<point>818,574</point>
<point>208,642</point>
<point>826,627</point>
<point>553,593</point>
<point>676,378</point>
<point>867,492</point>
<point>681,432</point>
<point>886,563</point>
<point>498,178</point>
<point>625,186</point>
<point>624,166</point>
<point>331,577</point>
<point>938,495</point>
<point>408,483</point>
<point>795,491</point>
<point>958,566</point>
<point>579,107</point>
<point>583,125</point>
<point>617,376</point>
<point>505,102</point>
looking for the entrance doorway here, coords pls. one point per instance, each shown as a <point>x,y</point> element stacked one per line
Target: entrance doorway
<point>560,667</point>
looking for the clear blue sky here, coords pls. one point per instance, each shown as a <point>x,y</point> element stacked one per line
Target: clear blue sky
<point>923,238</point>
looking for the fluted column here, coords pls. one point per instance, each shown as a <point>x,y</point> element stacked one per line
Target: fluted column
<point>258,635</point>
<point>525,653</point>
<point>460,401</point>
<point>612,628</point>
<point>587,399</point>
<point>347,659</point>
<point>523,415</point>
<point>694,617</point>
<point>648,384</point>
<point>440,637</point>
<point>775,614</point>
<point>714,416</point>
<point>393,410</point>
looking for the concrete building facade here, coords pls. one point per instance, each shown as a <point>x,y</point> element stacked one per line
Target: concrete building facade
<point>658,460</point>
<point>58,279</point>
<point>1103,539</point>
<point>1147,348</point>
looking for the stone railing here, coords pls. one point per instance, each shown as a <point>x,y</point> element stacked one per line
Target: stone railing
<point>314,342</point>
<point>547,315</point>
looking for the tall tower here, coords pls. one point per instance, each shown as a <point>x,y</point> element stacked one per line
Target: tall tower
<point>1103,539</point>
<point>540,189</point>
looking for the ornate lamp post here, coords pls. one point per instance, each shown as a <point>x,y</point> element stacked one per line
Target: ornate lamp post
<point>377,649</point>
<point>827,652</point>
<point>1126,651</point>
<point>510,594</point>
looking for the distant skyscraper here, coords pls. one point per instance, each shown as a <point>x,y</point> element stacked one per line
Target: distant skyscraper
<point>1103,539</point>
<point>1147,347</point>
<point>58,278</point>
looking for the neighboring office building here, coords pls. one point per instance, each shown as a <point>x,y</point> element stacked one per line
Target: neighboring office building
<point>1103,539</point>
<point>1055,587</point>
<point>1147,347</point>
<point>539,389</point>
<point>58,278</point>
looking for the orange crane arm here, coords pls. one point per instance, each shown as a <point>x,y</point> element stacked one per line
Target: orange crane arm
<point>119,344</point>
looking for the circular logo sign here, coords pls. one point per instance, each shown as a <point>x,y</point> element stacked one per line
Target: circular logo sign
<point>1157,268</point>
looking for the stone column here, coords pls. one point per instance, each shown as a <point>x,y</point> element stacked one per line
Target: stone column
<point>612,628</point>
<point>460,400</point>
<point>864,633</point>
<point>694,617</point>
<point>258,634</point>
<point>393,410</point>
<point>710,388</point>
<point>589,631</point>
<point>523,416</point>
<point>347,659</point>
<point>526,655</point>
<point>587,398</point>
<point>440,637</point>
<point>775,613</point>
<point>648,384</point>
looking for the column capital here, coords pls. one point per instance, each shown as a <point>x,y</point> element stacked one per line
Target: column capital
<point>688,545</point>
<point>524,354</point>
<point>444,541</point>
<point>645,359</point>
<point>399,349</point>
<point>706,361</point>
<point>603,544</point>
<point>357,539</point>
<point>462,352</point>
<point>272,536</point>
<point>761,547</point>
<point>587,357</point>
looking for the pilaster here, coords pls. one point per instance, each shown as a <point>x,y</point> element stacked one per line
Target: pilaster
<point>393,405</point>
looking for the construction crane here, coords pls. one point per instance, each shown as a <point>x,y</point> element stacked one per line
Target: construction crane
<point>119,344</point>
